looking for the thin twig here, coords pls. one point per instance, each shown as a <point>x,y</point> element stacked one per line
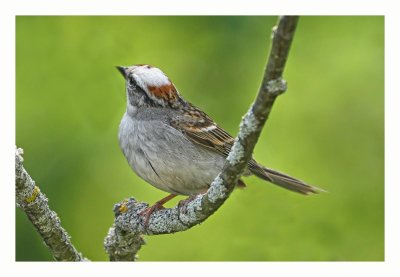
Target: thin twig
<point>125,237</point>
<point>35,204</point>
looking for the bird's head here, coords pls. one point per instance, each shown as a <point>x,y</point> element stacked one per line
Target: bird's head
<point>147,85</point>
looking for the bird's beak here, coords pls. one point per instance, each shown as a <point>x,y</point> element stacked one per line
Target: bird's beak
<point>123,70</point>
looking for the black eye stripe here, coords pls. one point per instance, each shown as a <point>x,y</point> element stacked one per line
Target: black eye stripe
<point>132,81</point>
<point>133,84</point>
<point>135,92</point>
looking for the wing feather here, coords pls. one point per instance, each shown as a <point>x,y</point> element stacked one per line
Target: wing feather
<point>202,130</point>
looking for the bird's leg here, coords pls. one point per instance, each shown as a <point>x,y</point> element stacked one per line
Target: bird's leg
<point>156,207</point>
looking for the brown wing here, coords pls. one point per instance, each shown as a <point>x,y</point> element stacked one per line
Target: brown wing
<point>201,129</point>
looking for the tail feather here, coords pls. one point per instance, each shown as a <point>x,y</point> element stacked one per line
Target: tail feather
<point>282,179</point>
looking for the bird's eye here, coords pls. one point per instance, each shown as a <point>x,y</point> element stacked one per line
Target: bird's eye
<point>134,85</point>
<point>131,80</point>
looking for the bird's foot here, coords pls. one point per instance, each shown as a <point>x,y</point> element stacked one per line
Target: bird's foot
<point>156,207</point>
<point>146,213</point>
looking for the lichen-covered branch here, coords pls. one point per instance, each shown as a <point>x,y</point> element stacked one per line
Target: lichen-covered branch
<point>125,236</point>
<point>34,204</point>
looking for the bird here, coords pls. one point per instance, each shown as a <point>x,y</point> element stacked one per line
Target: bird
<point>173,145</point>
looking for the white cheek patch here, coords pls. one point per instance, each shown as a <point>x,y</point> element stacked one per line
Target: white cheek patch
<point>152,76</point>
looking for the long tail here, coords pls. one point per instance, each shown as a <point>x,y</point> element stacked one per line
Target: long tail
<point>282,179</point>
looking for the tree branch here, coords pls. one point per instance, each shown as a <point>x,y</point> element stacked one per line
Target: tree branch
<point>125,237</point>
<point>34,204</point>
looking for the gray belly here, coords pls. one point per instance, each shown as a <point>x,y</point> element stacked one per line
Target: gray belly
<point>165,158</point>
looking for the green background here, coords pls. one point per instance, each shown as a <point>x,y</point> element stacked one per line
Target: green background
<point>327,129</point>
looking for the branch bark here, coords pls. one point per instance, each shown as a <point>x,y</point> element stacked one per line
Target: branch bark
<point>125,237</point>
<point>34,203</point>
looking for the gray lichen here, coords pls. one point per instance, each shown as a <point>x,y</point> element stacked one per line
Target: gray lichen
<point>237,152</point>
<point>35,204</point>
<point>249,124</point>
<point>189,213</point>
<point>217,190</point>
<point>122,246</point>
<point>276,86</point>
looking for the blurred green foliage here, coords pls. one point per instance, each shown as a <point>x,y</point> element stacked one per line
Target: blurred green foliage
<point>328,129</point>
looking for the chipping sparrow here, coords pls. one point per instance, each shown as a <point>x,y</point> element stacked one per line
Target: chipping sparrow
<point>173,145</point>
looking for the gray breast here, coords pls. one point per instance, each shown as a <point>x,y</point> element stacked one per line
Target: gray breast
<point>165,158</point>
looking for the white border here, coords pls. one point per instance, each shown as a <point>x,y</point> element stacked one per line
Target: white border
<point>8,11</point>
<point>204,7</point>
